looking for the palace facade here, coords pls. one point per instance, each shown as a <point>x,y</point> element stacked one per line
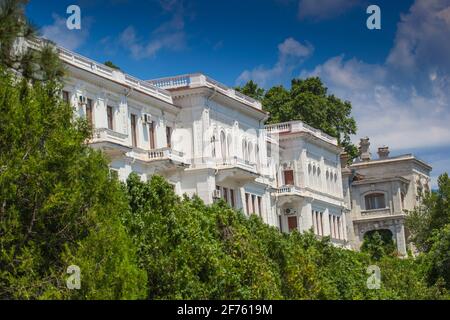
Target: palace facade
<point>210,140</point>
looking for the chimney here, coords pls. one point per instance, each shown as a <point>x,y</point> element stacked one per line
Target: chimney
<point>383,152</point>
<point>364,152</point>
<point>344,159</point>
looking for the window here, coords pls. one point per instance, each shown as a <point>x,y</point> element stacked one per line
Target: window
<point>89,107</point>
<point>318,223</point>
<point>339,227</point>
<point>223,147</point>
<point>247,203</point>
<point>321,223</point>
<point>330,223</point>
<point>314,222</point>
<point>110,115</point>
<point>375,201</point>
<point>151,135</point>
<point>169,137</point>
<point>225,194</point>
<point>257,156</point>
<point>133,131</point>
<point>230,145</point>
<point>232,198</point>
<point>65,96</point>
<point>288,177</point>
<point>253,203</point>
<point>250,152</point>
<point>292,223</point>
<point>244,150</point>
<point>260,206</point>
<point>213,146</point>
<point>334,227</point>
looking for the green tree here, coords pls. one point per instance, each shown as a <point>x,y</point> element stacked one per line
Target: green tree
<point>437,260</point>
<point>378,243</point>
<point>111,65</point>
<point>15,29</point>
<point>252,90</point>
<point>58,205</point>
<point>431,216</point>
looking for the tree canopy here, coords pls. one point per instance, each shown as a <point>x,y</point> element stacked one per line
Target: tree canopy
<point>429,225</point>
<point>111,65</point>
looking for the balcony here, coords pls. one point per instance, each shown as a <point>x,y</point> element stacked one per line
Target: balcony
<point>236,170</point>
<point>376,213</point>
<point>200,80</point>
<point>112,143</point>
<point>299,127</point>
<point>289,191</point>
<point>165,156</point>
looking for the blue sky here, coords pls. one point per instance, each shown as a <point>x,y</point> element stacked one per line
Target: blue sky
<point>397,78</point>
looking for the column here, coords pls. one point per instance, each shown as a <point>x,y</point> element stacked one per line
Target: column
<point>401,241</point>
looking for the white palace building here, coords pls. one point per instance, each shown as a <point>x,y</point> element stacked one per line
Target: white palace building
<point>210,140</point>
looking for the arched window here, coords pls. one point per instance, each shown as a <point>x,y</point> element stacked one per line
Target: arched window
<point>213,146</point>
<point>223,147</point>
<point>375,201</point>
<point>335,185</point>
<point>328,179</point>
<point>314,178</point>
<point>257,156</point>
<point>230,145</point>
<point>250,152</point>
<point>244,149</point>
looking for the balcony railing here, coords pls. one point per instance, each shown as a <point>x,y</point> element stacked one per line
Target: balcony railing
<point>107,135</point>
<point>279,128</point>
<point>169,154</point>
<point>299,126</point>
<point>237,162</point>
<point>376,212</point>
<point>200,80</point>
<point>104,71</point>
<point>288,190</point>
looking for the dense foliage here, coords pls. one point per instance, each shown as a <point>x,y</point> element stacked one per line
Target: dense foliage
<point>194,251</point>
<point>378,243</point>
<point>60,207</point>
<point>308,100</point>
<point>35,65</point>
<point>430,232</point>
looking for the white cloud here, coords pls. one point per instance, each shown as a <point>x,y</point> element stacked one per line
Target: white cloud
<point>422,41</point>
<point>389,113</point>
<point>323,9</point>
<point>291,54</point>
<point>170,35</point>
<point>61,35</point>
